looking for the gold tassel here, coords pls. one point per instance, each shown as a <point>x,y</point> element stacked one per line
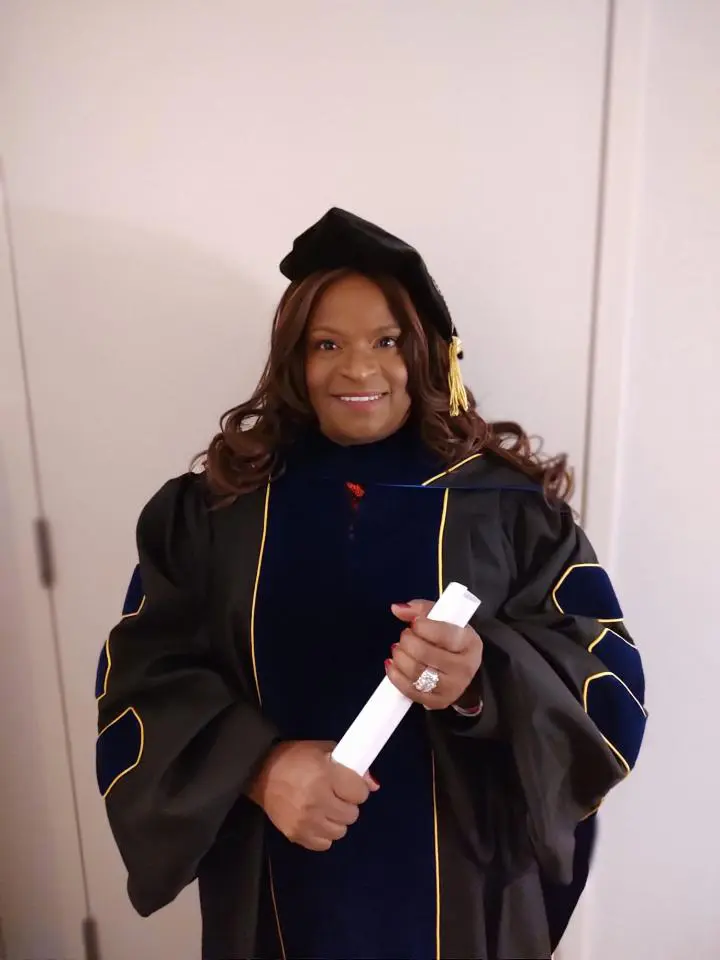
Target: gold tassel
<point>458,393</point>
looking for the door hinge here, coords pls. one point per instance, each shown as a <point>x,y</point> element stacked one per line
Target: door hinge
<point>90,939</point>
<point>43,543</point>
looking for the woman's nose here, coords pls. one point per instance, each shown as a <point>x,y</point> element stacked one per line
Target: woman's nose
<point>359,363</point>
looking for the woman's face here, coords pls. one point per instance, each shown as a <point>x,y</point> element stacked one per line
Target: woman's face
<point>355,373</point>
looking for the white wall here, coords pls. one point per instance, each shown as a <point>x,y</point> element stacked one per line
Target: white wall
<point>658,874</point>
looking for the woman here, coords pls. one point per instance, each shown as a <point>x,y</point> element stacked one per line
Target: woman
<point>276,587</point>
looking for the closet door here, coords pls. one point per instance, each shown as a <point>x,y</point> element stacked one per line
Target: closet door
<point>41,891</point>
<point>162,156</point>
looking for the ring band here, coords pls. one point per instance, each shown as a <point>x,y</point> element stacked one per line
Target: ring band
<point>427,681</point>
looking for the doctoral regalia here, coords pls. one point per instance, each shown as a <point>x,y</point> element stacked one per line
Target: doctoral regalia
<point>269,619</point>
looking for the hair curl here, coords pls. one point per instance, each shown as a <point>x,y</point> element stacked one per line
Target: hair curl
<point>247,451</point>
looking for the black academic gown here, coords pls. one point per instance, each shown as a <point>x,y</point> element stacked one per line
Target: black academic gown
<point>200,679</point>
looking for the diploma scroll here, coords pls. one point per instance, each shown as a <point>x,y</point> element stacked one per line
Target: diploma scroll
<point>378,719</point>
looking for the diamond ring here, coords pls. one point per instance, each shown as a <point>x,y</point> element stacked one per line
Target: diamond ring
<point>427,681</point>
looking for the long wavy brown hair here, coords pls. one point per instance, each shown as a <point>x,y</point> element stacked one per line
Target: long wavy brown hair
<point>247,451</point>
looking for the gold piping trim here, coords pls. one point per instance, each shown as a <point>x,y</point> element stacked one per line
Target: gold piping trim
<point>134,613</point>
<point>441,542</point>
<point>258,572</point>
<point>436,835</point>
<point>436,840</point>
<point>592,646</point>
<point>562,580</point>
<point>140,751</point>
<point>452,469</point>
<point>605,632</point>
<point>261,554</point>
<point>125,616</point>
<point>275,910</point>
<point>597,676</point>
<point>620,680</point>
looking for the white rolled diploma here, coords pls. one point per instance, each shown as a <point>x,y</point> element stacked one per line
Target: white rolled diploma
<point>378,719</point>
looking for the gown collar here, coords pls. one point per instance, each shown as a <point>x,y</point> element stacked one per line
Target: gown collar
<point>401,458</point>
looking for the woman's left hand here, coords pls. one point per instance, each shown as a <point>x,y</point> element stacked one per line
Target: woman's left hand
<point>453,652</point>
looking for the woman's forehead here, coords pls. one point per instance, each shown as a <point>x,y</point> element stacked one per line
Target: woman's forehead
<point>352,301</point>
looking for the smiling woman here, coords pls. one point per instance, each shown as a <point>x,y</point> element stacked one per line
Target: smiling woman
<point>277,589</point>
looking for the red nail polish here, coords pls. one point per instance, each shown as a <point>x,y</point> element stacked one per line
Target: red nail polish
<point>394,647</point>
<point>388,663</point>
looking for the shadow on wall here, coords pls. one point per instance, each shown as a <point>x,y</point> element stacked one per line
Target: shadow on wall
<point>137,322</point>
<point>26,658</point>
<point>136,342</point>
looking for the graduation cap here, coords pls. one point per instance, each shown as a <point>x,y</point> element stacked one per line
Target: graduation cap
<point>340,239</point>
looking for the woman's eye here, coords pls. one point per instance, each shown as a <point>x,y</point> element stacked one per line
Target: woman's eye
<point>388,342</point>
<point>325,345</point>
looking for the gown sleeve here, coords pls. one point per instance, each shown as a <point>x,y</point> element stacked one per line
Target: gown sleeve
<point>177,743</point>
<point>563,676</point>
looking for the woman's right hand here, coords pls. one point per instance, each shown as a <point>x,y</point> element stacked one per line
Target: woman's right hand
<point>311,799</point>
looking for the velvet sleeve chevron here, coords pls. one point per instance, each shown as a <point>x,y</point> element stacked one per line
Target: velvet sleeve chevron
<point>565,674</point>
<point>176,743</point>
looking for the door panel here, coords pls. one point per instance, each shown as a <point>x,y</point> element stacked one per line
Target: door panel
<point>41,891</point>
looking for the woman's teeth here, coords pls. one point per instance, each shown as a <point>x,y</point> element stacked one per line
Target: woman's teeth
<point>374,396</point>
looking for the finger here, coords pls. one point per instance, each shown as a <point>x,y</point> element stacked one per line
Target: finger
<point>441,697</point>
<point>334,831</point>
<point>372,783</point>
<point>339,811</point>
<point>347,785</point>
<point>409,666</point>
<point>407,612</point>
<point>423,654</point>
<point>315,843</point>
<point>443,635</point>
<point>404,684</point>
<point>456,670</point>
<point>412,655</point>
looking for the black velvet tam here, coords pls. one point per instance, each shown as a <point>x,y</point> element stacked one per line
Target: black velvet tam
<point>341,239</point>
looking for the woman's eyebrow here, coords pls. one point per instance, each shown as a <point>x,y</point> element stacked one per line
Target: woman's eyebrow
<point>385,328</point>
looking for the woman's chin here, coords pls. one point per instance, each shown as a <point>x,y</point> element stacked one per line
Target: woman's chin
<point>351,434</point>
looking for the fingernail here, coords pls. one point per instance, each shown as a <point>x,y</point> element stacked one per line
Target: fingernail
<point>388,664</point>
<point>394,647</point>
<point>377,785</point>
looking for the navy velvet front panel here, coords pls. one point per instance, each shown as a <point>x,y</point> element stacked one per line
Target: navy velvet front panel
<point>323,629</point>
